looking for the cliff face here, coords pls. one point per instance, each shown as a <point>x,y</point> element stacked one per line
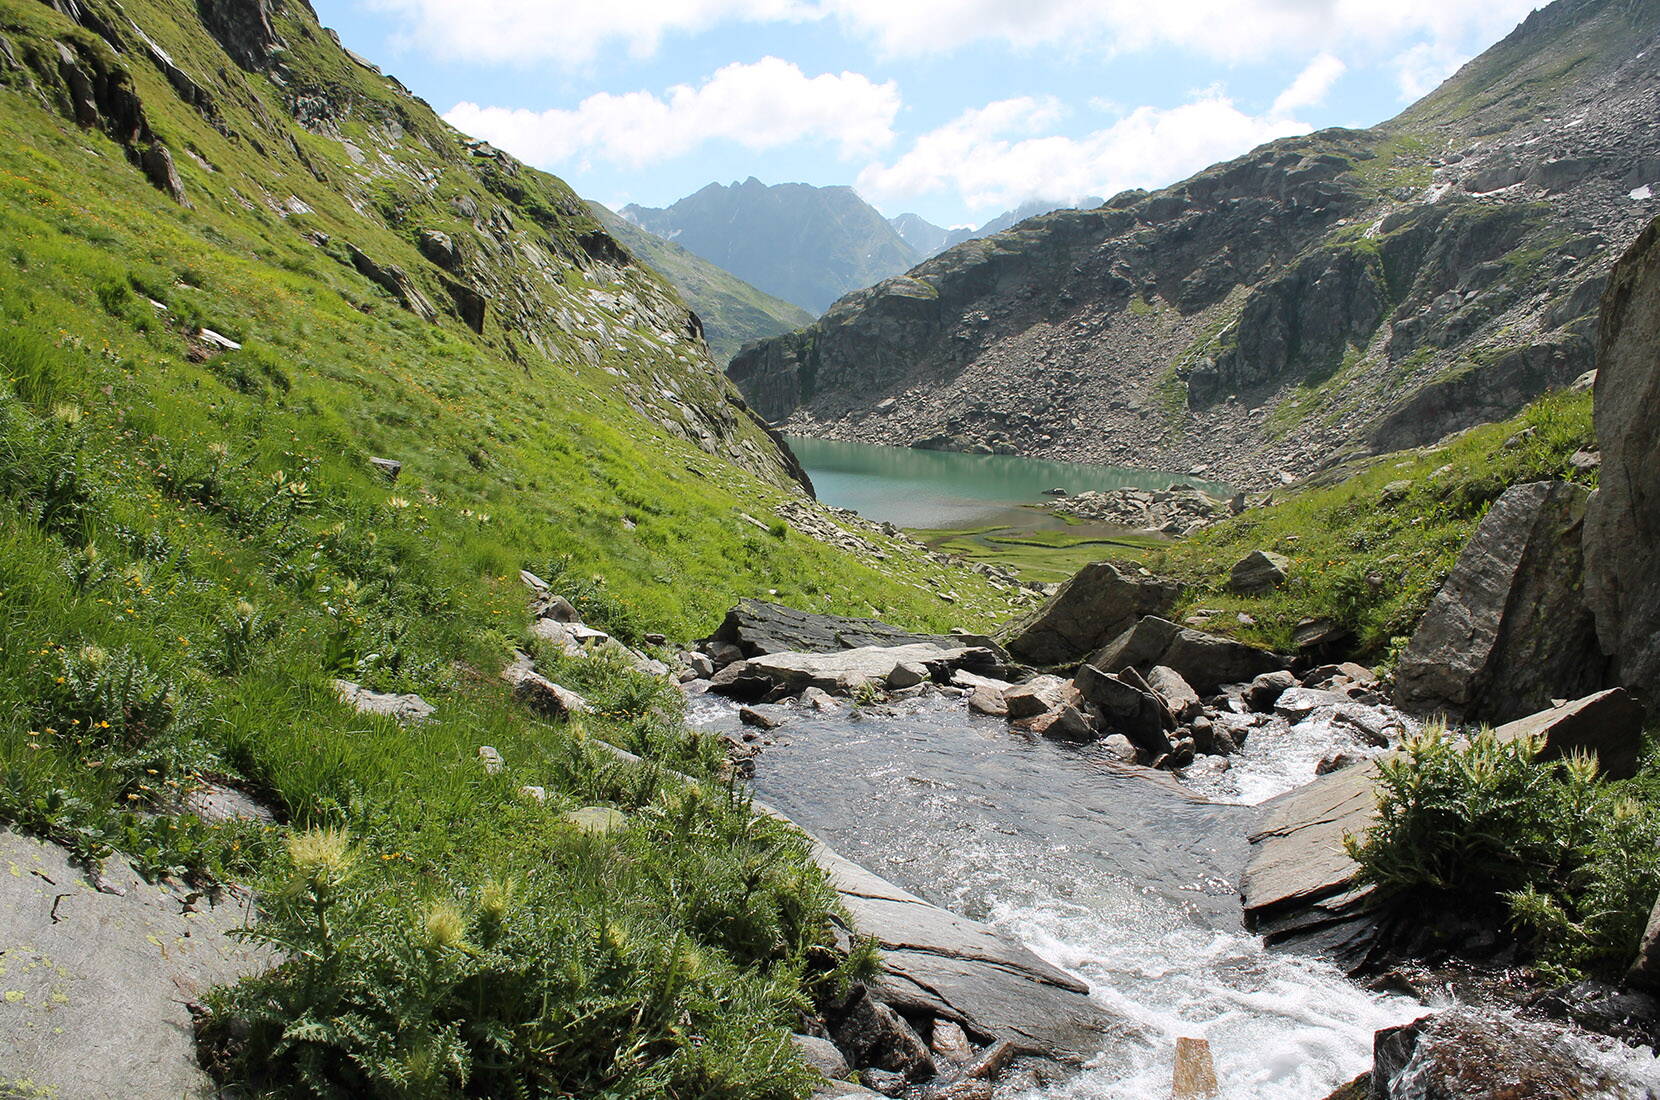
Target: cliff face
<point>252,114</point>
<point>1346,291</point>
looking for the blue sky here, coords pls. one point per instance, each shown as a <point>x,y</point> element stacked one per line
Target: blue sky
<point>953,109</point>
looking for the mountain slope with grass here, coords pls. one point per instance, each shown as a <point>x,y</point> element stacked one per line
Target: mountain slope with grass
<point>733,312</point>
<point>241,264</point>
<point>1347,292</point>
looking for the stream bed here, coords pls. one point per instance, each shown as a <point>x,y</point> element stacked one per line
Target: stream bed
<point>1123,878</point>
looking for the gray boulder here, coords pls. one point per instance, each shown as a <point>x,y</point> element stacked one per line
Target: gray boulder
<point>1608,724</point>
<point>1205,661</point>
<point>822,1055</point>
<point>1096,605</point>
<point>1128,708</point>
<point>756,629</point>
<point>1176,692</point>
<point>1039,695</point>
<point>1645,971</point>
<point>407,709</point>
<point>1258,572</point>
<point>843,672</point>
<point>1622,524</point>
<point>1509,630</point>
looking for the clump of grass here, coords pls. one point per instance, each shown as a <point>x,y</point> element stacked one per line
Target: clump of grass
<point>1485,825</point>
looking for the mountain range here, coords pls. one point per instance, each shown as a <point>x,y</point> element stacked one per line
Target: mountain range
<point>1346,292</point>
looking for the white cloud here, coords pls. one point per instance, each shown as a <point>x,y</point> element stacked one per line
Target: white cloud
<point>1310,87</point>
<point>572,31</point>
<point>760,106</point>
<point>1420,69</point>
<point>568,31</point>
<point>1000,155</point>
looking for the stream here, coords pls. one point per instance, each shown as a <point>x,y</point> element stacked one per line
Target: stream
<point>1126,880</point>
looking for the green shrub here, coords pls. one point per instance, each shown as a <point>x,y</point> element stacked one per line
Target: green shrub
<point>1575,859</point>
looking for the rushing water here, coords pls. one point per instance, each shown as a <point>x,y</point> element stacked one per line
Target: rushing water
<point>1125,879</point>
<point>945,489</point>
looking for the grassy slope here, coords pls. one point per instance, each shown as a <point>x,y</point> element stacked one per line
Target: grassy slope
<point>732,311</point>
<point>188,551</point>
<point>1369,555</point>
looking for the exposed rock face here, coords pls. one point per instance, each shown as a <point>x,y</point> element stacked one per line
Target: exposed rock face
<point>757,628</point>
<point>99,981</point>
<point>1608,724</point>
<point>1376,289</point>
<point>1622,526</point>
<point>1509,630</point>
<point>243,28</point>
<point>1205,661</point>
<point>1099,603</point>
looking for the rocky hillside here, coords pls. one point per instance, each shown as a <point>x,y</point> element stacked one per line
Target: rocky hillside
<point>807,245</point>
<point>733,312</point>
<point>1345,292</point>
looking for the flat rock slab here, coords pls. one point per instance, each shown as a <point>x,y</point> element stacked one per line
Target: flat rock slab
<point>758,628</point>
<point>93,985</point>
<point>407,709</point>
<point>947,965</point>
<point>849,670</point>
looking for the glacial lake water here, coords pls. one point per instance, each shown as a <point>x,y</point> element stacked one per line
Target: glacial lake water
<point>945,489</point>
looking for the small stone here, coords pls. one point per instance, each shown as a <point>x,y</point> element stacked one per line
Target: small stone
<point>907,674</point>
<point>533,794</point>
<point>989,701</point>
<point>950,1041</point>
<point>819,699</point>
<point>390,467</point>
<point>491,759</point>
<point>656,639</point>
<point>597,820</point>
<point>822,1055</point>
<point>760,719</point>
<point>1267,688</point>
<point>558,609</point>
<point>1121,747</point>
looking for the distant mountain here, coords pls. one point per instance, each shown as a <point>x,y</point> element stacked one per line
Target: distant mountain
<point>930,240</point>
<point>807,245</point>
<point>1340,293</point>
<point>733,312</point>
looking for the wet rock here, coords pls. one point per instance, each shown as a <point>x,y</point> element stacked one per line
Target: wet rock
<point>1608,724</point>
<point>819,700</point>
<point>1258,572</point>
<point>1121,748</point>
<point>907,674</point>
<point>1465,1052</point>
<point>1177,693</point>
<point>1629,1015</point>
<point>1065,724</point>
<point>831,1089</point>
<point>1097,604</point>
<point>1337,761</point>
<point>1622,525</point>
<point>822,1055</point>
<point>949,1041</point>
<point>698,664</point>
<point>1204,660</point>
<point>1509,630</point>
<point>98,982</point>
<point>408,709</point>
<point>1299,702</point>
<point>873,1035</point>
<point>1040,695</point>
<point>765,718</point>
<point>1265,690</point>
<point>989,701</point>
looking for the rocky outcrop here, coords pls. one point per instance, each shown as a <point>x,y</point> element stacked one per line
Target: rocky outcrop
<point>1205,661</point>
<point>101,976</point>
<point>1341,292</point>
<point>1622,526</point>
<point>1097,604</point>
<point>755,628</point>
<point>243,28</point>
<point>1509,631</point>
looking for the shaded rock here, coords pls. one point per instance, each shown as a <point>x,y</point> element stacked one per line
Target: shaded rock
<point>757,629</point>
<point>1266,689</point>
<point>1645,969</point>
<point>1609,724</point>
<point>1066,724</point>
<point>1205,661</point>
<point>1629,1015</point>
<point>873,1034</point>
<point>1508,631</point>
<point>1258,572</point>
<point>243,28</point>
<point>405,708</point>
<point>439,248</point>
<point>698,664</point>
<point>1097,604</point>
<point>1321,638</point>
<point>390,467</point>
<point>822,1055</point>
<point>907,674</point>
<point>1127,708</point>
<point>99,981</point>
<point>1622,524</point>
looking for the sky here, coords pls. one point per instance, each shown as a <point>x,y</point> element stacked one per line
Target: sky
<point>953,109</point>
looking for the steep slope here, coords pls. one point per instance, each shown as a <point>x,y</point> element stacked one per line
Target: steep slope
<point>1345,292</point>
<point>807,245</point>
<point>733,312</point>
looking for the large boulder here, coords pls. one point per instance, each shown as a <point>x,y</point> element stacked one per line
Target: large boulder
<point>1258,572</point>
<point>1205,661</point>
<point>1099,603</point>
<point>1128,708</point>
<point>1622,525</point>
<point>1608,724</point>
<point>755,628</point>
<point>846,671</point>
<point>1509,630</point>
